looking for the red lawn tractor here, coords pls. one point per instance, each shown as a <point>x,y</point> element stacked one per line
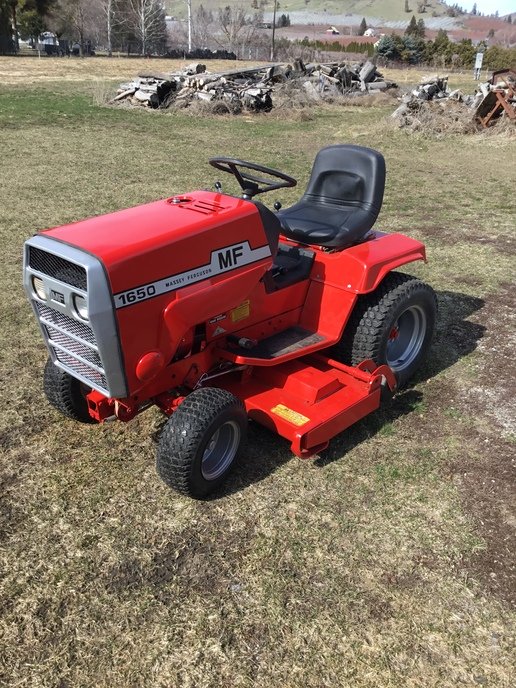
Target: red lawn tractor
<point>217,309</point>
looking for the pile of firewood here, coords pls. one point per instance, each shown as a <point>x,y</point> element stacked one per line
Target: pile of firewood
<point>250,89</point>
<point>492,101</point>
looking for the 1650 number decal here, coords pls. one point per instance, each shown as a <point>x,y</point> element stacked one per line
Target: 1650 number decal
<point>136,294</point>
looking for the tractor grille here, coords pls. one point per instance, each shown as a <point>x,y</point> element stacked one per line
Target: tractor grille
<point>94,377</point>
<point>88,350</point>
<point>74,345</point>
<point>57,267</point>
<point>75,328</point>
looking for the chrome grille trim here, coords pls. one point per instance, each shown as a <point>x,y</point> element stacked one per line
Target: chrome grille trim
<point>79,355</point>
<point>87,350</point>
<point>80,360</point>
<point>85,373</point>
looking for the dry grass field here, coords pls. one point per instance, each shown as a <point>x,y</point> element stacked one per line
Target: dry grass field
<point>34,70</point>
<point>388,562</point>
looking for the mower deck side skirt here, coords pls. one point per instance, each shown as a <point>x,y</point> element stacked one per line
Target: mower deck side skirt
<point>308,401</point>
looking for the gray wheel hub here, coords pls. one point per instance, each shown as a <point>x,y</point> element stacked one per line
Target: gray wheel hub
<point>406,338</point>
<point>220,450</point>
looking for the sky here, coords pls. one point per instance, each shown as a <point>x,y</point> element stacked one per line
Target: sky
<point>490,6</point>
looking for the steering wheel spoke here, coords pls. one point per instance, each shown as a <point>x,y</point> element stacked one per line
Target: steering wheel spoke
<point>250,184</point>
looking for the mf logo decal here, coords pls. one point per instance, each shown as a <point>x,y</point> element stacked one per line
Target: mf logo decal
<point>229,257</point>
<point>57,296</point>
<point>222,260</point>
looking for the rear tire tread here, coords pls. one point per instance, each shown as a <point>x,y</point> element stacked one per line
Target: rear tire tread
<point>365,330</point>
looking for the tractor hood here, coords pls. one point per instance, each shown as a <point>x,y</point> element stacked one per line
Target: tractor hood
<point>165,237</point>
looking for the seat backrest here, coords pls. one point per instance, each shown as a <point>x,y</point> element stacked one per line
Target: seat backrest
<point>347,175</point>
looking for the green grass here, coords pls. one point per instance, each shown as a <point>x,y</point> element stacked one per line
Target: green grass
<point>386,562</point>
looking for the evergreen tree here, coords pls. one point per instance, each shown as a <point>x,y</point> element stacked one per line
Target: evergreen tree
<point>388,47</point>
<point>363,27</point>
<point>441,40</point>
<point>407,8</point>
<point>466,52</point>
<point>30,24</point>
<point>412,29</point>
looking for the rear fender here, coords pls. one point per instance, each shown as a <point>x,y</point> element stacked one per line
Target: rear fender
<point>338,279</point>
<point>364,266</point>
<point>375,275</point>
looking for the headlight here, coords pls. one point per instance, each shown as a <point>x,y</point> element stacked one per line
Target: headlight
<point>39,288</point>
<point>81,306</point>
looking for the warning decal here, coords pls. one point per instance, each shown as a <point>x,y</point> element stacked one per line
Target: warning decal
<point>241,312</point>
<point>289,414</point>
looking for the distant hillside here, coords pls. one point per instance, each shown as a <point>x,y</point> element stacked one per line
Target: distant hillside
<point>316,11</point>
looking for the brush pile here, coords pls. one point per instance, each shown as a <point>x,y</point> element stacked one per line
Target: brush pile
<point>432,107</point>
<point>250,89</point>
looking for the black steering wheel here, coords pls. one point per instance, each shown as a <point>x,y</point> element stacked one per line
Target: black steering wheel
<point>249,183</point>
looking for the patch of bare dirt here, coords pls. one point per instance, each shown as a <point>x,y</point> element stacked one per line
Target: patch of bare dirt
<point>197,560</point>
<point>488,489</point>
<point>483,414</point>
<point>492,392</point>
<point>486,473</point>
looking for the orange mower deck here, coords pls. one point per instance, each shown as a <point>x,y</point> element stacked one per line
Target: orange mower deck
<point>310,400</point>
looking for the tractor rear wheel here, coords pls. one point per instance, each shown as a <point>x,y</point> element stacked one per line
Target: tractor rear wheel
<point>200,442</point>
<point>392,325</point>
<point>66,394</point>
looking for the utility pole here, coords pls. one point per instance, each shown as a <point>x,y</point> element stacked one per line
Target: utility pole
<point>273,30</point>
<point>189,5</point>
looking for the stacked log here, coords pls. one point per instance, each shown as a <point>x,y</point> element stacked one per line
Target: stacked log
<point>250,89</point>
<point>492,101</point>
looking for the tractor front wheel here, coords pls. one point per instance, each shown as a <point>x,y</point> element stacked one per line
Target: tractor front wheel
<point>392,325</point>
<point>200,442</point>
<point>66,394</point>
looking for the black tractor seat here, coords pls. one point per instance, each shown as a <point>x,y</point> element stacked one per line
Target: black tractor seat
<point>342,200</point>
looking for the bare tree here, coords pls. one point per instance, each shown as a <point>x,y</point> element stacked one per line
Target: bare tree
<point>147,19</point>
<point>113,17</point>
<point>79,17</point>
<point>107,8</point>
<point>237,30</point>
<point>203,27</point>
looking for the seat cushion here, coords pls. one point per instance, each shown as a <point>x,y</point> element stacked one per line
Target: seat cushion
<point>325,225</point>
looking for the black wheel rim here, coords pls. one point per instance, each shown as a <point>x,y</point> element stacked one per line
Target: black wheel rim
<point>406,338</point>
<point>220,450</point>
